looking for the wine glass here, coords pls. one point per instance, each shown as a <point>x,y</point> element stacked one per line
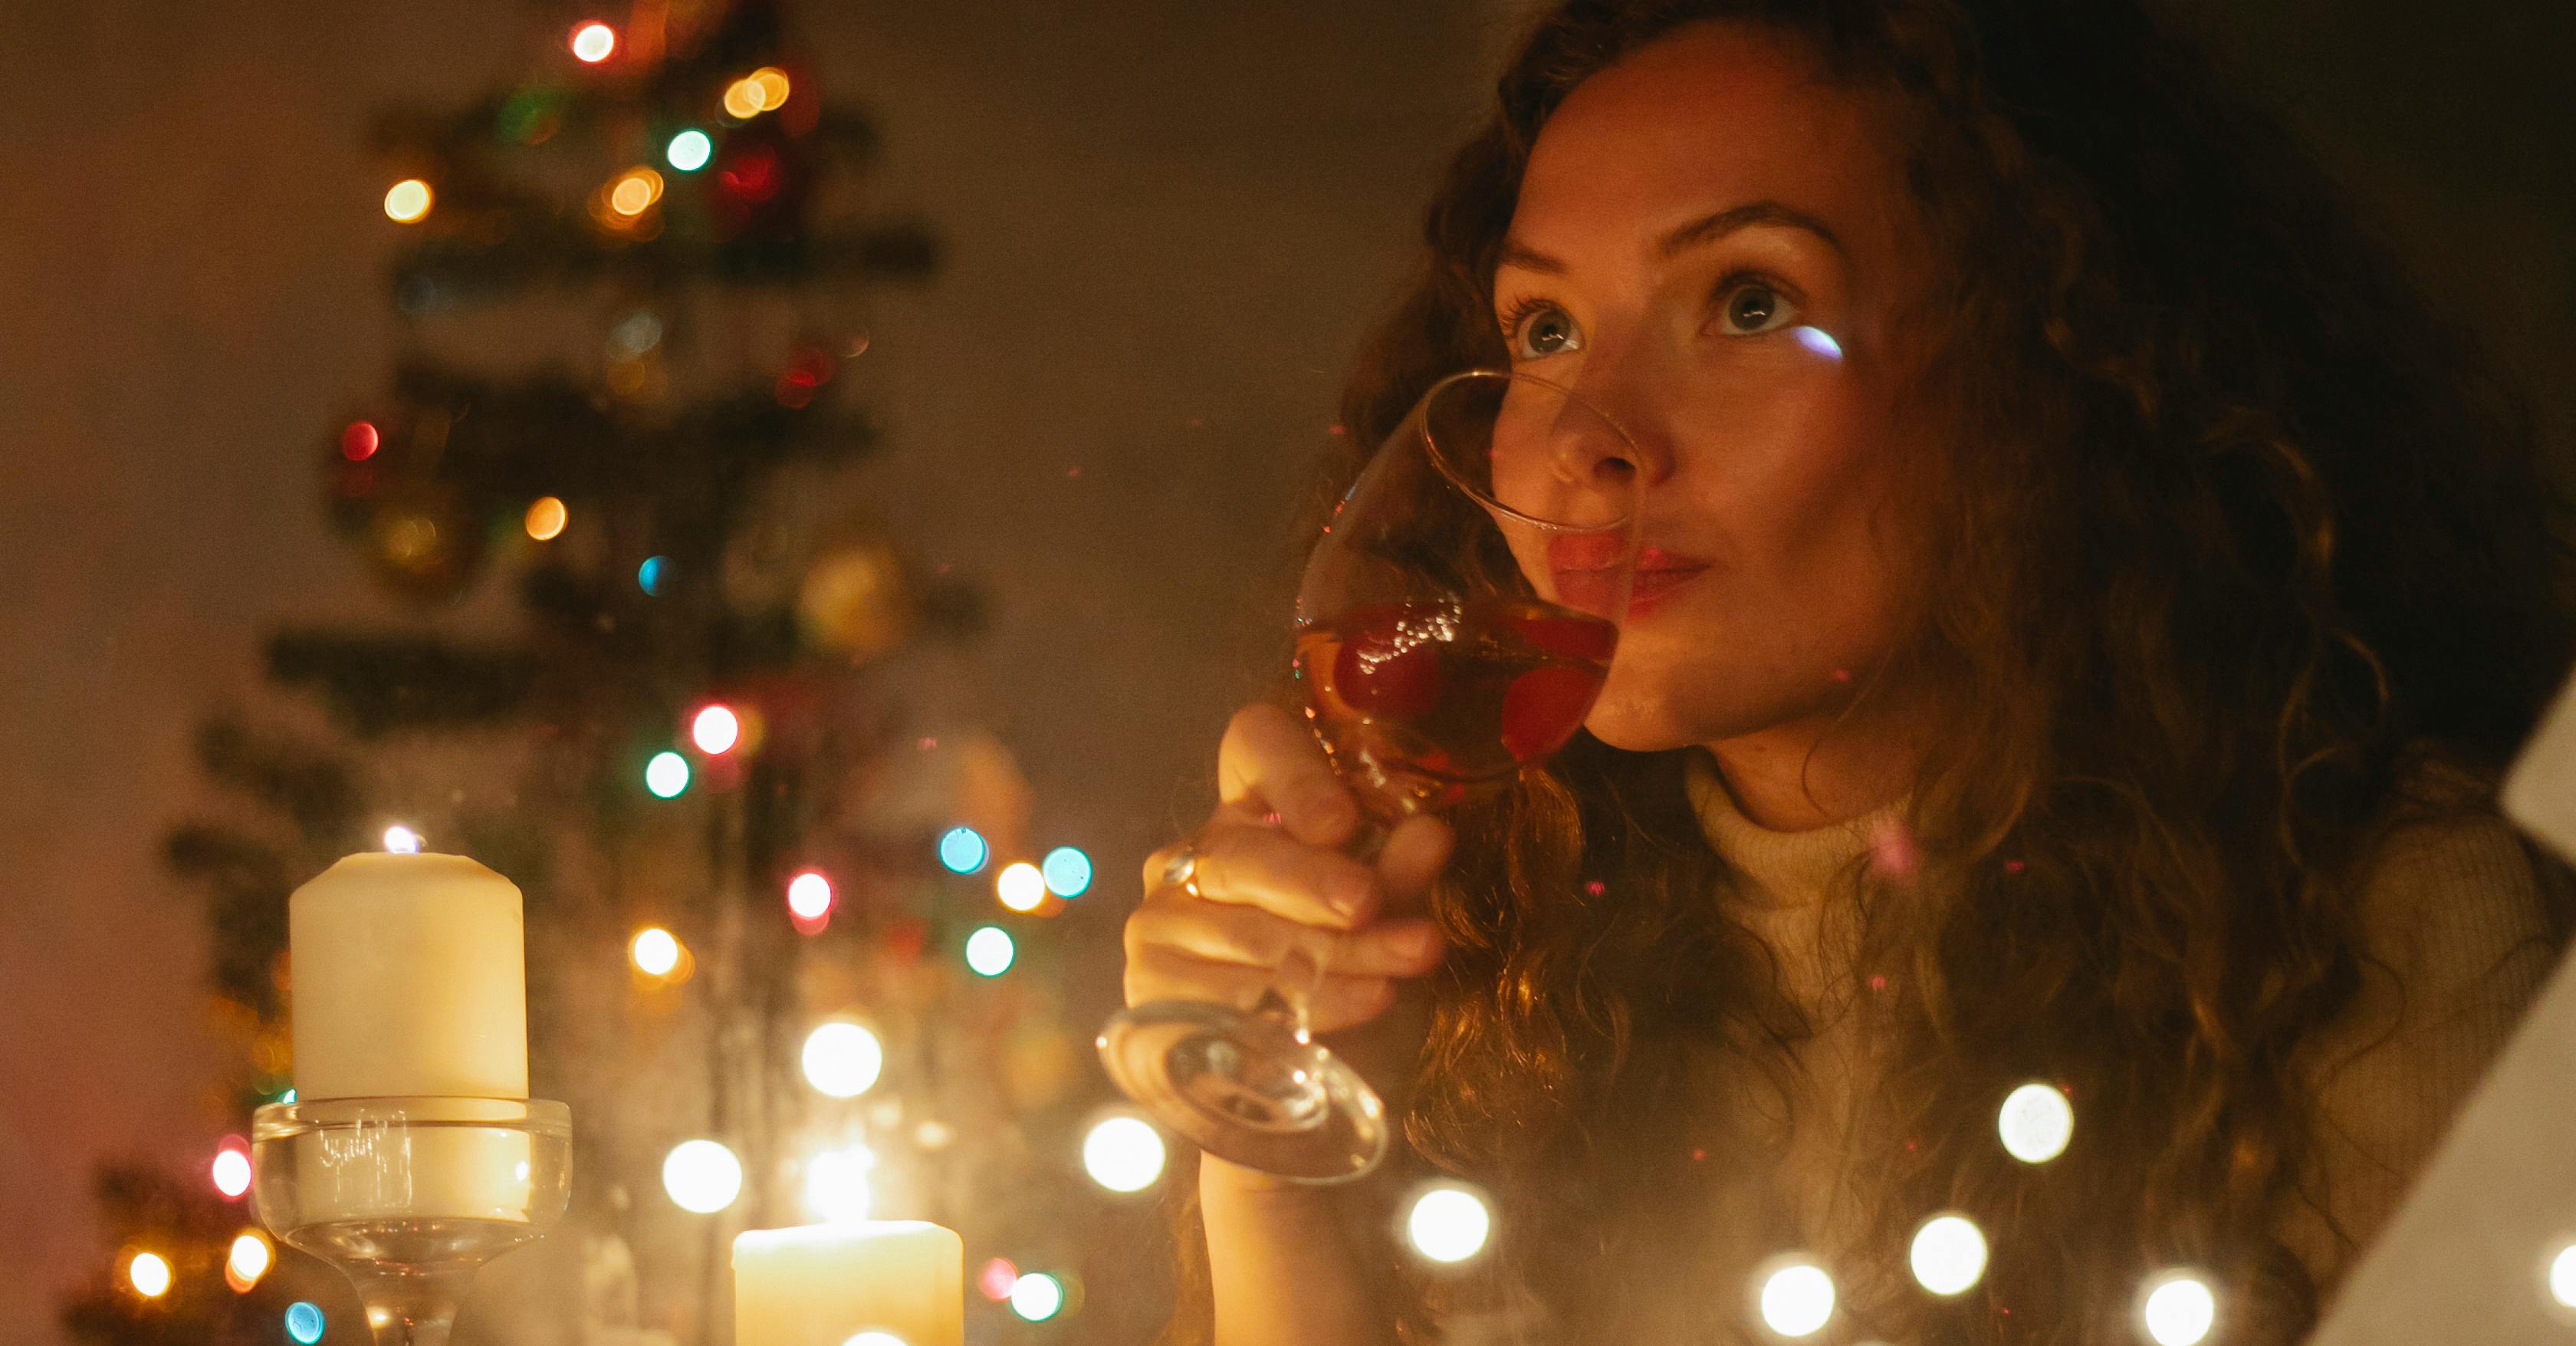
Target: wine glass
<point>1455,625</point>
<point>409,1196</point>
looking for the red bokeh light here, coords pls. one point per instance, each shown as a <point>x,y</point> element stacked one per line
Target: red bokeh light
<point>359,442</point>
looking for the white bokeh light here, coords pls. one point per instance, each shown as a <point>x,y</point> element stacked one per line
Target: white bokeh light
<point>401,840</point>
<point>1448,1224</point>
<point>1797,1298</point>
<point>2562,1277</point>
<point>1949,1254</point>
<point>836,1184</point>
<point>702,1176</point>
<point>874,1339</point>
<point>2036,1123</point>
<point>656,951</point>
<point>843,1059</point>
<point>989,951</point>
<point>231,1171</point>
<point>1020,886</point>
<point>1123,1153</point>
<point>149,1274</point>
<point>809,895</point>
<point>249,1258</point>
<point>1037,1297</point>
<point>2177,1308</point>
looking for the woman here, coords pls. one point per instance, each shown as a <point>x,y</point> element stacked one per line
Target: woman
<point>2096,676</point>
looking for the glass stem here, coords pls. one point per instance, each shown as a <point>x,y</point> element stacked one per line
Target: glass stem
<point>412,1308</point>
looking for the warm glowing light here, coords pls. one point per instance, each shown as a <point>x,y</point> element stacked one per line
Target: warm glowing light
<point>1123,1154</point>
<point>1797,1299</point>
<point>2036,1122</point>
<point>249,1260</point>
<point>635,191</point>
<point>772,83</point>
<point>742,100</point>
<point>360,441</point>
<point>1448,1224</point>
<point>843,1059</point>
<point>407,201</point>
<point>656,951</point>
<point>592,42</point>
<point>997,1278</point>
<point>1037,1297</point>
<point>648,576</point>
<point>232,1172</point>
<point>2177,1309</point>
<point>546,518</point>
<point>304,1322</point>
<point>402,840</point>
<point>809,895</point>
<point>689,151</point>
<point>874,1339</point>
<point>962,850</point>
<point>1067,872</point>
<point>1020,886</point>
<point>702,1176</point>
<point>1949,1254</point>
<point>149,1274</point>
<point>666,775</point>
<point>836,1184</point>
<point>715,730</point>
<point>989,951</point>
<point>2562,1277</point>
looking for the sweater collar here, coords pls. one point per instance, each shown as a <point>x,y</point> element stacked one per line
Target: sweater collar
<point>1783,868</point>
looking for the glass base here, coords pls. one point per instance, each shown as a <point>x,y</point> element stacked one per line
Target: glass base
<point>1245,1088</point>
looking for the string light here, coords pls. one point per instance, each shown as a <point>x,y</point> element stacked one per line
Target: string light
<point>666,775</point>
<point>702,1176</point>
<point>836,1184</point>
<point>689,151</point>
<point>772,84</point>
<point>401,840</point>
<point>2177,1308</point>
<point>360,441</point>
<point>546,518</point>
<point>1949,1254</point>
<point>2562,1277</point>
<point>809,896</point>
<point>408,201</point>
<point>1123,1153</point>
<point>1067,872</point>
<point>592,42</point>
<point>997,1278</point>
<point>763,90</point>
<point>1797,1297</point>
<point>1037,1297</point>
<point>232,1172</point>
<point>1448,1223</point>
<point>635,191</point>
<point>715,730</point>
<point>989,951</point>
<point>149,1274</point>
<point>962,850</point>
<point>1020,886</point>
<point>304,1323</point>
<point>249,1260</point>
<point>842,1059</point>
<point>656,951</point>
<point>2036,1123</point>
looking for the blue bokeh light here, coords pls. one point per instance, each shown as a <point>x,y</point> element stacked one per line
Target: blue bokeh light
<point>304,1322</point>
<point>689,150</point>
<point>962,850</point>
<point>648,576</point>
<point>1818,340</point>
<point>1067,871</point>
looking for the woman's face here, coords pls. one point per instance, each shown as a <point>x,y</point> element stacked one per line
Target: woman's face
<point>1712,248</point>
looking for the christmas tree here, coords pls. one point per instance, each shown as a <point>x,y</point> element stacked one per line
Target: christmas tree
<point>657,674</point>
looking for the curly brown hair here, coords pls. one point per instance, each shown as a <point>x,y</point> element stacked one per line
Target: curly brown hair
<point>2236,533</point>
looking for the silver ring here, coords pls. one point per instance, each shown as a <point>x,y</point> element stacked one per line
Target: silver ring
<point>1181,871</point>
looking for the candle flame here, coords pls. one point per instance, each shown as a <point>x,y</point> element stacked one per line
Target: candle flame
<point>402,840</point>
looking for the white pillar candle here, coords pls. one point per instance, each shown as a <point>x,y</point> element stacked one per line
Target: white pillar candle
<point>408,976</point>
<point>820,1285</point>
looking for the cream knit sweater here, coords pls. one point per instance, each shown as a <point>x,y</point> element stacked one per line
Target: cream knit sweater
<point>2455,927</point>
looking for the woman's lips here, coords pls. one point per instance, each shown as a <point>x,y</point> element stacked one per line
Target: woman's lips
<point>1651,587</point>
<point>1588,582</point>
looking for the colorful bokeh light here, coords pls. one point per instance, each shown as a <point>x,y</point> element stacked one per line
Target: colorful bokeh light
<point>1067,872</point>
<point>666,775</point>
<point>689,151</point>
<point>989,951</point>
<point>408,201</point>
<point>592,42</point>
<point>809,895</point>
<point>842,1059</point>
<point>962,850</point>
<point>546,518</point>
<point>703,1176</point>
<point>1020,886</point>
<point>304,1322</point>
<point>715,729</point>
<point>656,951</point>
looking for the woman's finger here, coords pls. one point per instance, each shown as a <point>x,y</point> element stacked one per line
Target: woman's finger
<point>1250,937</point>
<point>1254,866</point>
<point>1270,758</point>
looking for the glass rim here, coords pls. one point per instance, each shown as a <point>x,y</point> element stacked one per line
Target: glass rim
<point>1420,424</point>
<point>278,1121</point>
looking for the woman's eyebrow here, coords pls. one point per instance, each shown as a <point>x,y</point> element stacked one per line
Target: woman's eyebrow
<point>1704,230</point>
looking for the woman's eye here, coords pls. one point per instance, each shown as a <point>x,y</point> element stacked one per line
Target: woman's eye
<point>1543,330</point>
<point>1754,307</point>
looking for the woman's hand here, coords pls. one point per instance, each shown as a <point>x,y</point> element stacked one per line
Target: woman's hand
<point>1269,885</point>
